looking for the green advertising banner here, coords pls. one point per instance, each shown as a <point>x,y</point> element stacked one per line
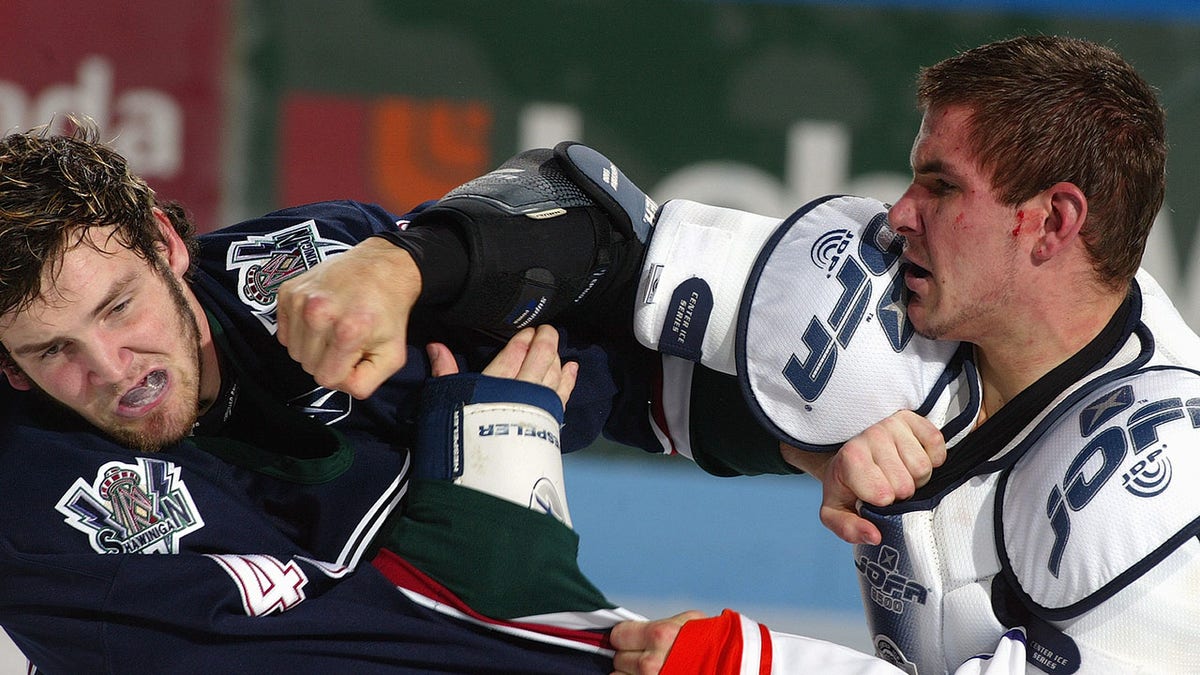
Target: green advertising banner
<point>759,106</point>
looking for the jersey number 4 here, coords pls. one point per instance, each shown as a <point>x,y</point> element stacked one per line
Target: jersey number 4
<point>266,584</point>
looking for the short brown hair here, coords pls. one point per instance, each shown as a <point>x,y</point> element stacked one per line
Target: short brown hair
<point>1048,109</point>
<point>52,188</point>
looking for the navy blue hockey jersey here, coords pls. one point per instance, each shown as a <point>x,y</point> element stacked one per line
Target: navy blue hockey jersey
<point>245,548</point>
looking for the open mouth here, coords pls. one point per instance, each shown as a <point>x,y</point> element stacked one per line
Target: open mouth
<point>914,270</point>
<point>146,392</point>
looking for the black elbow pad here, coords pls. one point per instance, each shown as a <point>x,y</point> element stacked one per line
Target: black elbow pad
<point>551,235</point>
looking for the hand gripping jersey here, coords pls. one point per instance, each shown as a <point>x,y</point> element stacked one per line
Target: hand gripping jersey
<point>1059,536</point>
<point>255,546</point>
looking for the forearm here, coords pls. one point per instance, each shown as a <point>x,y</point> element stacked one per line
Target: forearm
<point>542,238</point>
<point>437,257</point>
<point>812,463</point>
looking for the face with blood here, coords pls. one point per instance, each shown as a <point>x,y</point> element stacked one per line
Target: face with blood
<point>962,242</point>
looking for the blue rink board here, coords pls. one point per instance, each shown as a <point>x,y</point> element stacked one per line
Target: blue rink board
<point>658,535</point>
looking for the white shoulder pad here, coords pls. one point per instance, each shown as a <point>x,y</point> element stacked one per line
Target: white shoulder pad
<point>824,345</point>
<point>1105,490</point>
<point>1175,342</point>
<point>809,313</point>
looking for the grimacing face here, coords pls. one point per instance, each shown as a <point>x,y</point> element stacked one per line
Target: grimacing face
<point>961,242</point>
<point>113,338</point>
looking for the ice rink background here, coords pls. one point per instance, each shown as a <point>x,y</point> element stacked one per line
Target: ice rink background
<point>659,536</point>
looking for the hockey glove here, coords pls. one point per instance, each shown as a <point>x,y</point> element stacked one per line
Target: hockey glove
<point>494,435</point>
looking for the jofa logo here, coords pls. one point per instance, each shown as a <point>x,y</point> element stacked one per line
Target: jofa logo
<point>878,251</point>
<point>132,508</point>
<point>888,586</point>
<point>1107,451</point>
<point>264,262</point>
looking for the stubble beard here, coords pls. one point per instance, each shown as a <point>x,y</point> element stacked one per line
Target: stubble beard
<point>165,427</point>
<point>962,323</point>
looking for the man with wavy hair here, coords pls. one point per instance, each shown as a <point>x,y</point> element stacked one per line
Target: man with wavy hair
<point>182,496</point>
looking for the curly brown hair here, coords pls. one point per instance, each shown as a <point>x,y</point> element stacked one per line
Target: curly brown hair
<point>1049,109</point>
<point>52,189</point>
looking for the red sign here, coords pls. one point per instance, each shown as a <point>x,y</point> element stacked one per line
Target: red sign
<point>149,74</point>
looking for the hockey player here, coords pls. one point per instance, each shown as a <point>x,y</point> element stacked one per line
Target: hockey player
<point>1060,534</point>
<point>1061,526</point>
<point>180,496</point>
<point>167,419</point>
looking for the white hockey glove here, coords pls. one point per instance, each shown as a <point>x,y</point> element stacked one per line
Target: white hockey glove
<point>494,435</point>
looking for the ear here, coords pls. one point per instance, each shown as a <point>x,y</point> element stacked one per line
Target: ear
<point>1066,211</point>
<point>174,250</point>
<point>16,377</point>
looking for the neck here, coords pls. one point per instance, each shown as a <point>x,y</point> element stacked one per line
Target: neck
<point>1010,365</point>
<point>210,364</point>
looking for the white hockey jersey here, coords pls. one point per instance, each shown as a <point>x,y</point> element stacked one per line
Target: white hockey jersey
<point>1069,513</point>
<point>1060,535</point>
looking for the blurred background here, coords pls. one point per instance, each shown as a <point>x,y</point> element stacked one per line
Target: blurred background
<point>236,107</point>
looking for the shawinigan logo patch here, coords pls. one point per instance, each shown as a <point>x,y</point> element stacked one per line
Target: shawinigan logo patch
<point>264,262</point>
<point>132,508</point>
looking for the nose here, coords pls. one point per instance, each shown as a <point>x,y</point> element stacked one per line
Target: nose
<point>106,364</point>
<point>903,217</point>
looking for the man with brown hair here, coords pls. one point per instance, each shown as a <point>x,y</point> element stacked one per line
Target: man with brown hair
<point>180,496</point>
<point>1059,535</point>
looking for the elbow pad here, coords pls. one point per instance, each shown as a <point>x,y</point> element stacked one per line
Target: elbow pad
<point>550,235</point>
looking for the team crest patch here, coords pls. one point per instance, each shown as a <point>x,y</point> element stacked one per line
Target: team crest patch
<point>264,262</point>
<point>132,508</point>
